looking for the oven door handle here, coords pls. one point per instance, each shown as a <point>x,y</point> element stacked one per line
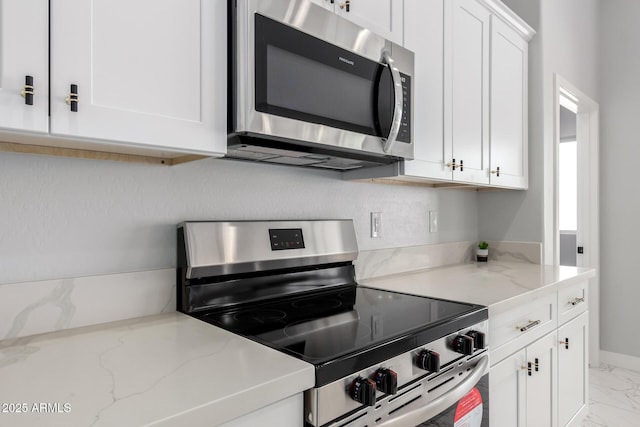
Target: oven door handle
<point>433,408</point>
<point>396,121</point>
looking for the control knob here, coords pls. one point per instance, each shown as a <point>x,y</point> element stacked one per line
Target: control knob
<point>363,390</point>
<point>428,360</point>
<point>463,344</point>
<point>478,339</point>
<point>386,380</point>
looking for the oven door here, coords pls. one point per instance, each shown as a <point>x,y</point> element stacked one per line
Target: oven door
<point>472,410</point>
<point>464,405</point>
<point>306,74</point>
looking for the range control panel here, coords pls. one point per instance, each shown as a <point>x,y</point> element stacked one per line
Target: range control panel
<point>289,238</point>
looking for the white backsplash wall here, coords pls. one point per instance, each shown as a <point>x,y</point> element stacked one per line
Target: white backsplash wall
<point>62,217</point>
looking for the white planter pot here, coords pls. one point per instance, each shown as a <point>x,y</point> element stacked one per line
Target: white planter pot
<point>482,255</point>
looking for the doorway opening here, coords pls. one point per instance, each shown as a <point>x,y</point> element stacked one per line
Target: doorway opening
<point>576,224</point>
<point>568,182</point>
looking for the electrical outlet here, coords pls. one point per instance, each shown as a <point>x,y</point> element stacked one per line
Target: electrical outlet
<point>433,221</point>
<point>376,225</point>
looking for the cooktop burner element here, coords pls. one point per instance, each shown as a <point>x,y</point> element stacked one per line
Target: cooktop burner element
<point>370,347</point>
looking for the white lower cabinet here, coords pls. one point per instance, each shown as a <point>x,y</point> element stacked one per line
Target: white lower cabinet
<point>543,381</point>
<point>573,372</point>
<point>507,391</point>
<point>284,413</point>
<point>522,387</point>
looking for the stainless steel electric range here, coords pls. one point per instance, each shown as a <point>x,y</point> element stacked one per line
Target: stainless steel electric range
<point>381,358</point>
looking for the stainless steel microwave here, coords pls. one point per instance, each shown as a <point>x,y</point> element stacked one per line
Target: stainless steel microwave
<point>310,88</point>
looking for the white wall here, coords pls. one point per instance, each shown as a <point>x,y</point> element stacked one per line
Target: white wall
<point>619,201</point>
<point>566,43</point>
<point>63,217</point>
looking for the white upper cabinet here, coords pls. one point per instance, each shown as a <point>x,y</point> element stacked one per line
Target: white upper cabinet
<point>509,59</point>
<point>450,40</point>
<point>466,88</point>
<point>470,105</point>
<point>424,35</point>
<point>382,17</point>
<point>24,53</point>
<point>149,73</point>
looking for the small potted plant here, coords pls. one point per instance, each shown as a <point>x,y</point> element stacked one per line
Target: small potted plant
<point>482,252</point>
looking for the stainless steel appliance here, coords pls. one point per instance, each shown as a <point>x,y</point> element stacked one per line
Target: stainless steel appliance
<point>310,88</point>
<point>381,358</point>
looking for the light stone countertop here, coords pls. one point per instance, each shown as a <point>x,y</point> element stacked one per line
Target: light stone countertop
<point>163,370</point>
<point>500,285</point>
<point>173,370</point>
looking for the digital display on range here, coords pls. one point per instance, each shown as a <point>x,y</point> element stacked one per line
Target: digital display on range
<point>288,238</point>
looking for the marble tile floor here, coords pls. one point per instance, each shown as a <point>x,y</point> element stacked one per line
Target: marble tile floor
<point>614,398</point>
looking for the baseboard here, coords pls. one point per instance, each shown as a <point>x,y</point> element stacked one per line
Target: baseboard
<point>620,360</point>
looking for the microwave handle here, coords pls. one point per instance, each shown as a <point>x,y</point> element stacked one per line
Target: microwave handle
<point>396,121</point>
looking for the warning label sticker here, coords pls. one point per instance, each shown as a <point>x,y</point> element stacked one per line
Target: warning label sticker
<point>469,410</point>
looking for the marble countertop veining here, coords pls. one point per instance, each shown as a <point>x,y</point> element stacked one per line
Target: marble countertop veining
<point>500,285</point>
<point>163,370</point>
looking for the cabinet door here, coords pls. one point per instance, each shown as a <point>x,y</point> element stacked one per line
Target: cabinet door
<point>542,383</point>
<point>148,72</point>
<point>382,17</point>
<point>507,391</point>
<point>424,35</point>
<point>467,89</point>
<point>24,51</point>
<point>572,368</point>
<point>509,53</point>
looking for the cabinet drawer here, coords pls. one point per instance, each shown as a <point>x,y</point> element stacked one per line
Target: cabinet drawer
<point>514,329</point>
<point>572,301</point>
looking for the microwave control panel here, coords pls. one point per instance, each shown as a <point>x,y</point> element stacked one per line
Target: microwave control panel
<point>404,135</point>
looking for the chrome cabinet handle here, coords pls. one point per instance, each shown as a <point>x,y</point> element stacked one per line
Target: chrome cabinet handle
<point>566,343</point>
<point>388,142</point>
<point>576,301</point>
<point>496,172</point>
<point>530,325</point>
<point>346,5</point>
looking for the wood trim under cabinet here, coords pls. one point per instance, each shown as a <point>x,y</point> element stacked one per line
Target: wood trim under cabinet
<point>94,155</point>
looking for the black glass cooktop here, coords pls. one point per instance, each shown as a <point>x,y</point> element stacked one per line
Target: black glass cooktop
<point>347,328</point>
